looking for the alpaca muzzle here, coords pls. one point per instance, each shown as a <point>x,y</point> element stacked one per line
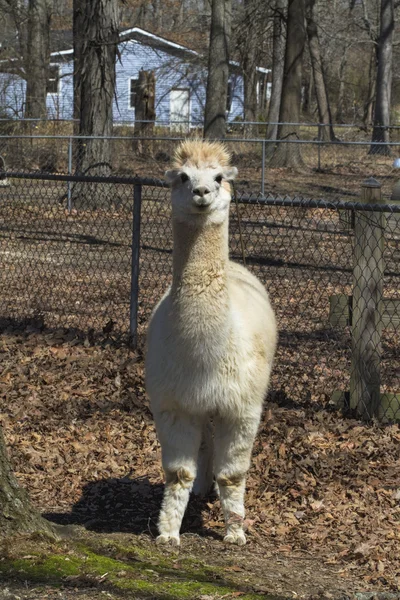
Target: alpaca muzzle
<point>202,197</point>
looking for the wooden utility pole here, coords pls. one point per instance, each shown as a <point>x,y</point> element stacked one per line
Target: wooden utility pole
<point>367,322</point>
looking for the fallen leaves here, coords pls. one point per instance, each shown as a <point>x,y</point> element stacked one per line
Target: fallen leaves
<point>81,438</point>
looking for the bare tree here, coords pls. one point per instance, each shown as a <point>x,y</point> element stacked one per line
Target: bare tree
<point>383,79</point>
<point>14,18</point>
<point>321,91</point>
<point>28,31</point>
<point>278,63</point>
<point>95,53</point>
<point>218,69</point>
<point>37,58</point>
<point>288,154</point>
<point>145,112</point>
<point>17,515</point>
<point>369,104</point>
<point>249,37</point>
<point>78,22</point>
<point>340,108</point>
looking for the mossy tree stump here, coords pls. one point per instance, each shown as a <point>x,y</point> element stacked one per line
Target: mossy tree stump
<point>17,515</point>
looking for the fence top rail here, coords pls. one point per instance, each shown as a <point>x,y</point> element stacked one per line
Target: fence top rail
<point>181,138</point>
<point>180,122</point>
<point>301,202</point>
<point>252,198</point>
<point>135,180</point>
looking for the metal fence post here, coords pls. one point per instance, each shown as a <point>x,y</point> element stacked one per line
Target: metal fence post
<point>134,299</point>
<point>367,323</point>
<point>319,147</point>
<point>263,169</point>
<point>69,194</point>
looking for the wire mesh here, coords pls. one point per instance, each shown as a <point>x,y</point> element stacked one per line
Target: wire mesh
<point>325,170</point>
<point>69,267</point>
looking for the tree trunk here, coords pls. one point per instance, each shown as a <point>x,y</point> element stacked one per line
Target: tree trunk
<point>287,154</point>
<point>250,45</point>
<point>98,27</point>
<point>37,58</point>
<point>218,69</point>
<point>157,14</point>
<point>368,116</point>
<point>142,16</point>
<point>145,113</point>
<point>324,109</point>
<point>340,116</point>
<point>78,41</point>
<point>383,79</point>
<point>278,63</point>
<point>17,514</point>
<point>308,95</point>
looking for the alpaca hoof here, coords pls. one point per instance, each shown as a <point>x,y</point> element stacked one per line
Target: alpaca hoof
<point>237,538</point>
<point>172,540</point>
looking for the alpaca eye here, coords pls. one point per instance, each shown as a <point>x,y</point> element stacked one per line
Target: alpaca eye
<point>218,178</point>
<point>184,177</point>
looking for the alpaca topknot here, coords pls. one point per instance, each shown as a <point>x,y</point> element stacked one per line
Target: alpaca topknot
<point>201,154</point>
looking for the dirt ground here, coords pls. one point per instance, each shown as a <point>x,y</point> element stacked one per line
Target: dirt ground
<point>323,493</point>
<point>322,496</point>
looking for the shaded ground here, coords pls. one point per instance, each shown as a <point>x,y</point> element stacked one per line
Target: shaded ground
<point>323,491</point>
<point>323,495</point>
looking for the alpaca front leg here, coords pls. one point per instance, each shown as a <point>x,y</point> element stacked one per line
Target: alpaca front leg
<point>176,495</point>
<point>231,493</point>
<point>180,438</point>
<point>233,445</point>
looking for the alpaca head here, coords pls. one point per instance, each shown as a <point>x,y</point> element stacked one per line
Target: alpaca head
<point>200,182</point>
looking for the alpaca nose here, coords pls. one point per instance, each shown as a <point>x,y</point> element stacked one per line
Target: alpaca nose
<point>202,197</point>
<point>201,191</point>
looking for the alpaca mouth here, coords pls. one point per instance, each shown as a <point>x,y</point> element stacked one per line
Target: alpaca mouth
<point>202,208</point>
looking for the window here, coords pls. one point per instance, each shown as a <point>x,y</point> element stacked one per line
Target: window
<point>133,86</point>
<point>229,96</point>
<point>53,79</point>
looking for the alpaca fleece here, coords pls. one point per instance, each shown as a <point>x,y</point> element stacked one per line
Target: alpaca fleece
<point>211,343</point>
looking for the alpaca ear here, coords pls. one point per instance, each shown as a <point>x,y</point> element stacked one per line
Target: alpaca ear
<point>171,175</point>
<point>230,173</point>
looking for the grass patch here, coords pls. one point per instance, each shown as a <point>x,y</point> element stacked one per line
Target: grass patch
<point>130,570</point>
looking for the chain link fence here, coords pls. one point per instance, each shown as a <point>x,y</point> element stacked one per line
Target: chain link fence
<point>331,268</point>
<point>345,132</point>
<point>308,166</point>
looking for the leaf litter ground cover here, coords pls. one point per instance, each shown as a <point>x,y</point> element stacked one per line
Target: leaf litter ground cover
<point>323,493</point>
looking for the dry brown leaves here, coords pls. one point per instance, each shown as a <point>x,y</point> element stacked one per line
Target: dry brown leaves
<point>81,438</point>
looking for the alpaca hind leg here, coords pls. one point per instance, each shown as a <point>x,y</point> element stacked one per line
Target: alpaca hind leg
<point>180,438</point>
<point>233,445</point>
<point>204,480</point>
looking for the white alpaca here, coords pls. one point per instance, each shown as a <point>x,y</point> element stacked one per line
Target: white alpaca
<point>211,343</point>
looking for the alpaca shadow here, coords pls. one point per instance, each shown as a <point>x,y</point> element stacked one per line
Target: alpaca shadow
<point>127,506</point>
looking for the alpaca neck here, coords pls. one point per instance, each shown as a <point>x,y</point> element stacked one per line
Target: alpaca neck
<point>200,257</point>
<point>199,288</point>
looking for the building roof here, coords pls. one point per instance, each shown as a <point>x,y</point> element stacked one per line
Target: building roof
<point>133,34</point>
<point>150,39</point>
<point>145,37</point>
